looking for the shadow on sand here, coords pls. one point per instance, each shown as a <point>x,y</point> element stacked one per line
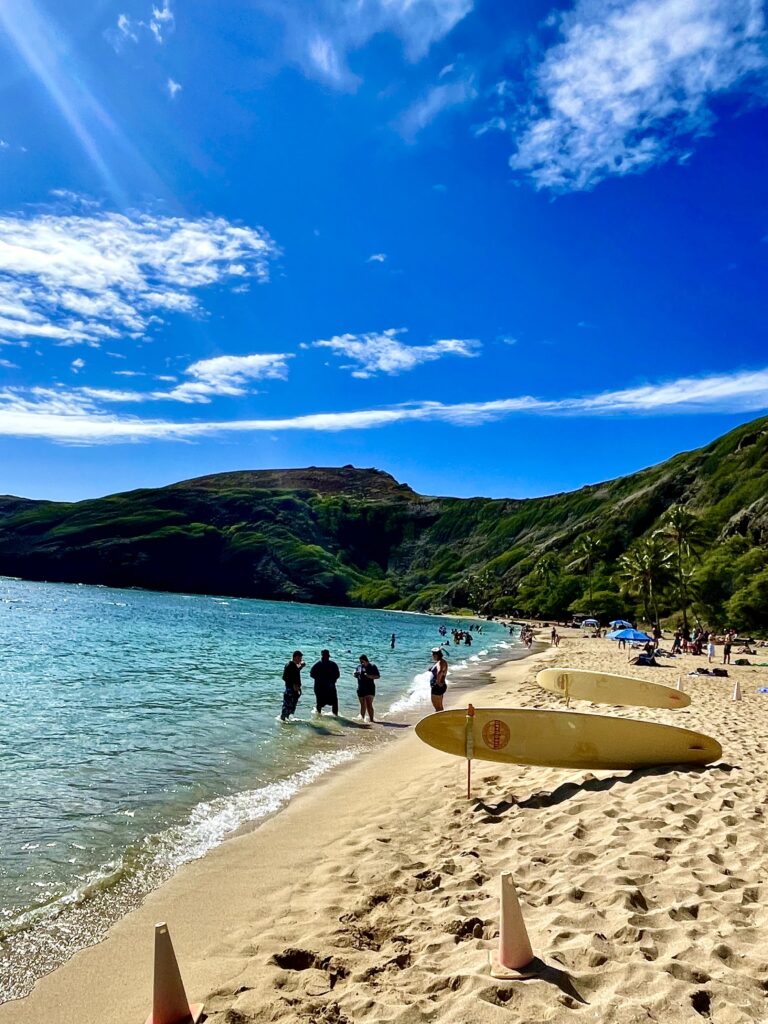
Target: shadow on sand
<point>571,789</point>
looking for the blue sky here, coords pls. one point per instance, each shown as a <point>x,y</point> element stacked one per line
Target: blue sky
<point>492,248</point>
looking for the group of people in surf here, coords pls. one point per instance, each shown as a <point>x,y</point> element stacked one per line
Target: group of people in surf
<point>325,673</point>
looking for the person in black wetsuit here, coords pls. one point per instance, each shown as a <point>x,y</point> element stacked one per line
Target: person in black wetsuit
<point>366,675</point>
<point>292,680</point>
<point>437,684</point>
<point>325,673</point>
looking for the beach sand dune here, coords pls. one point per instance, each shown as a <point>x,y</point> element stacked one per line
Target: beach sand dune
<point>375,896</point>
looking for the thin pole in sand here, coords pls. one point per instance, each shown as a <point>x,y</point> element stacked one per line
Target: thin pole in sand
<point>469,744</point>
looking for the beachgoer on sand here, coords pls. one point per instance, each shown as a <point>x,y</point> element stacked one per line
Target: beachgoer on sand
<point>292,680</point>
<point>711,649</point>
<point>366,675</point>
<point>727,651</point>
<point>325,673</point>
<point>438,672</point>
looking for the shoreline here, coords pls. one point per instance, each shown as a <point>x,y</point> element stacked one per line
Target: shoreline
<point>372,896</point>
<point>106,900</point>
<point>346,770</point>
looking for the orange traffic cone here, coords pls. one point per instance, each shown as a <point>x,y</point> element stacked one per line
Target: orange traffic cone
<point>736,691</point>
<point>514,958</point>
<point>169,1000</point>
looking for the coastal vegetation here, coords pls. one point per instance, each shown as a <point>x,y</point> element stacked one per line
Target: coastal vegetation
<point>688,537</point>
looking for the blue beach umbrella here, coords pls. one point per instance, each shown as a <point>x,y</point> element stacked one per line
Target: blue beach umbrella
<point>628,634</point>
<point>620,624</point>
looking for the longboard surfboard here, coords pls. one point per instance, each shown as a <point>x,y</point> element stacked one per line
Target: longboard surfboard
<point>565,739</point>
<point>605,688</point>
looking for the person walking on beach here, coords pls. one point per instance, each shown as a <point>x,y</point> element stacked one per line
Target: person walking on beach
<point>292,680</point>
<point>438,672</point>
<point>366,675</point>
<point>325,673</point>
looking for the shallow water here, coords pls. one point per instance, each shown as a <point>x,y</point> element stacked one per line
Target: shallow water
<point>140,729</point>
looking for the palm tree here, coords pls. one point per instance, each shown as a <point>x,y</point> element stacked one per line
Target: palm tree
<point>588,550</point>
<point>548,568</point>
<point>645,570</point>
<point>683,529</point>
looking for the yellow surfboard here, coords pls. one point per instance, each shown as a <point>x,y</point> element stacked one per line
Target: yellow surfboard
<point>604,688</point>
<point>565,739</point>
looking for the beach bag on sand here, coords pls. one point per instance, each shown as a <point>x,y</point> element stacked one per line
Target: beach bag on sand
<point>741,661</point>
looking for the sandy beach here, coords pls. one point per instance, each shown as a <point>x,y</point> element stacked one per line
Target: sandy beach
<point>373,895</point>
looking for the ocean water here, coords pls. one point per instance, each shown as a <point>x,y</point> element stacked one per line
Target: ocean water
<point>140,729</point>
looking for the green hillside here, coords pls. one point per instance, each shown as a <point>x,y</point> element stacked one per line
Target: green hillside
<point>357,536</point>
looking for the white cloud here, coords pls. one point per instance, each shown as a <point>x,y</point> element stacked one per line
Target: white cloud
<point>632,83</point>
<point>125,28</point>
<point>227,375</point>
<point>76,365</point>
<point>162,21</point>
<point>377,257</point>
<point>159,23</point>
<point>438,99</point>
<point>77,415</point>
<point>174,88</point>
<point>383,352</point>
<point>8,365</point>
<point>230,376</point>
<point>83,278</point>
<point>321,39</point>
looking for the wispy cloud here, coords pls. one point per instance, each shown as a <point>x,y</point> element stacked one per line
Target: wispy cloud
<point>230,376</point>
<point>377,257</point>
<point>158,23</point>
<point>383,352</point>
<point>78,278</point>
<point>437,100</point>
<point>125,28</point>
<point>174,88</point>
<point>74,415</point>
<point>321,40</point>
<point>162,21</point>
<point>632,83</point>
<point>77,365</point>
<point>8,365</point>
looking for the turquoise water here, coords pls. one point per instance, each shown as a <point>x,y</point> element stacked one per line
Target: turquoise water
<point>140,729</point>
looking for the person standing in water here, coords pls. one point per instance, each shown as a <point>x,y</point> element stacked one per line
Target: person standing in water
<point>325,673</point>
<point>366,675</point>
<point>392,641</point>
<point>438,672</point>
<point>292,680</point>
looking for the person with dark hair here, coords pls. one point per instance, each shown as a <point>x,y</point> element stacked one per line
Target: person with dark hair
<point>292,680</point>
<point>325,673</point>
<point>366,675</point>
<point>437,673</point>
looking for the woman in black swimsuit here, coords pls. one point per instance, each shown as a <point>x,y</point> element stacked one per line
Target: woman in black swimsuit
<point>437,684</point>
<point>366,675</point>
